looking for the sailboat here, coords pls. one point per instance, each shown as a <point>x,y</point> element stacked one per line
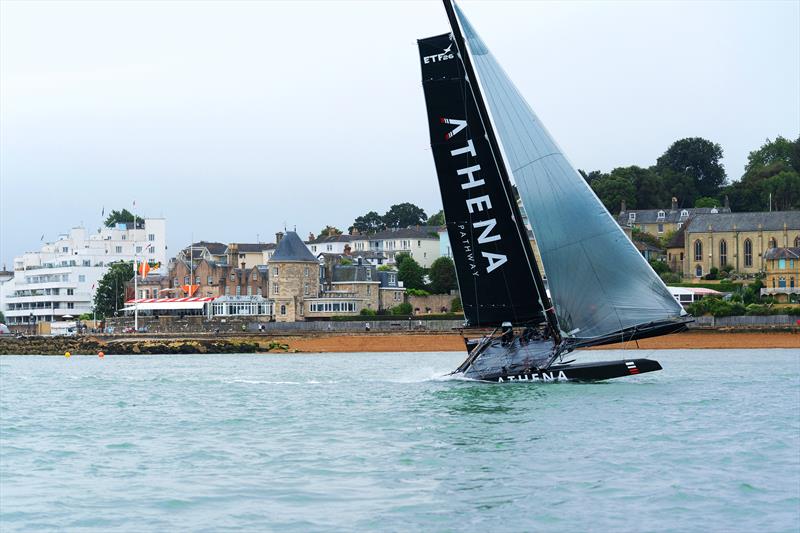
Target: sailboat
<point>484,138</point>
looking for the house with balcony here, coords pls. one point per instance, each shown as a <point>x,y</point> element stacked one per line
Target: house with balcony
<point>420,242</point>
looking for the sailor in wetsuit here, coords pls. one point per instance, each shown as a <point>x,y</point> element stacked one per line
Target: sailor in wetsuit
<point>508,333</point>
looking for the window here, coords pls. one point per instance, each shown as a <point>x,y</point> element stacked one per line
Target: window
<point>723,253</point>
<point>276,289</point>
<point>397,296</point>
<point>772,243</point>
<point>81,278</point>
<point>185,280</point>
<point>233,276</point>
<point>661,215</point>
<point>369,290</point>
<point>782,264</point>
<point>210,280</point>
<point>797,242</point>
<point>419,243</point>
<point>249,290</point>
<point>698,250</point>
<point>274,271</point>
<point>124,237</point>
<point>65,249</point>
<point>118,249</point>
<point>369,274</point>
<point>283,309</point>
<point>87,263</point>
<point>791,282</point>
<point>138,249</point>
<point>631,217</point>
<point>151,237</point>
<point>227,291</point>
<point>238,290</point>
<point>175,282</point>
<point>70,292</point>
<point>748,253</point>
<point>782,282</point>
<point>698,271</point>
<point>661,228</point>
<point>305,271</point>
<point>680,225</point>
<point>70,305</point>
<point>684,214</point>
<point>314,248</point>
<point>306,290</point>
<point>255,275</point>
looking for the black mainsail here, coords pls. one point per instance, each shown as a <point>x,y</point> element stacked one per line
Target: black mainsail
<point>497,273</point>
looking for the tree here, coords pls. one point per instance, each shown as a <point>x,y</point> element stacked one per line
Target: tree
<point>612,190</point>
<point>2,318</point>
<point>116,217</point>
<point>402,309</point>
<point>706,201</point>
<point>455,305</point>
<point>409,272</point>
<point>647,184</point>
<point>698,158</point>
<point>371,222</point>
<point>110,295</point>
<point>771,179</point>
<point>679,186</point>
<point>437,219</point>
<point>590,177</point>
<point>330,231</point>
<point>404,215</point>
<point>443,276</point>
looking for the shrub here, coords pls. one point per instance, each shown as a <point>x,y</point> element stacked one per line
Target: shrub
<point>417,292</point>
<point>712,274</point>
<point>661,267</point>
<point>367,312</point>
<point>670,277</point>
<point>455,305</point>
<point>402,309</point>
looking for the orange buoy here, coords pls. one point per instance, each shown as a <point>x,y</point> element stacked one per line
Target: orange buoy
<point>100,355</point>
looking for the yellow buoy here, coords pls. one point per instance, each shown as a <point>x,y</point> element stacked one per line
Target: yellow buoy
<point>67,354</point>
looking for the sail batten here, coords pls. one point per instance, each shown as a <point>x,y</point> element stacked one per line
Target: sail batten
<point>599,283</point>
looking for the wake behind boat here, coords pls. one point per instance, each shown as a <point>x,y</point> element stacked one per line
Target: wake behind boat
<point>483,136</point>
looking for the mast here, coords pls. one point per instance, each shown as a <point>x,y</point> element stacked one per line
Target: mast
<point>504,177</point>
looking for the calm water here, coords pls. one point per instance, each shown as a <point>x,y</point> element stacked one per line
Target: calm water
<point>375,442</point>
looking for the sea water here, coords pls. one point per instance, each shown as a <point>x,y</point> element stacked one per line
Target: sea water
<point>381,442</point>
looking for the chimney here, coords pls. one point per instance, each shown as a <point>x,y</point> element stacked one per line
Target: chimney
<point>674,204</point>
<point>278,237</point>
<point>348,250</point>
<point>243,264</point>
<point>310,236</point>
<point>233,254</point>
<point>727,203</point>
<point>622,206</point>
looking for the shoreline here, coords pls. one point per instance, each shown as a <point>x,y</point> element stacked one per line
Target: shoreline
<point>362,343</point>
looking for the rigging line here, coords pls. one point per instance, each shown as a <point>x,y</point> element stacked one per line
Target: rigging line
<point>537,159</point>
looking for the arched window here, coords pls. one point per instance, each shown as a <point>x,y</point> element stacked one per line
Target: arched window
<point>283,309</point>
<point>797,242</point>
<point>723,253</point>
<point>748,253</point>
<point>698,271</point>
<point>772,243</point>
<point>698,250</point>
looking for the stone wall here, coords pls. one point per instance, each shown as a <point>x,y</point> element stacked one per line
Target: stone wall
<point>432,304</point>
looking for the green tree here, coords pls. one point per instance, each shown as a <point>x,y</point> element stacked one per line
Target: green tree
<point>110,294</point>
<point>648,186</point>
<point>455,305</point>
<point>771,179</point>
<point>698,158</point>
<point>330,231</point>
<point>404,215</point>
<point>437,219</point>
<point>591,176</point>
<point>443,276</point>
<point>371,222</point>
<point>2,318</point>
<point>402,309</point>
<point>410,272</point>
<point>679,186</point>
<point>116,217</point>
<point>706,201</point>
<point>612,190</point>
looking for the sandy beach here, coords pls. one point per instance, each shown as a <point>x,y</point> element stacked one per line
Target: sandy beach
<point>454,342</point>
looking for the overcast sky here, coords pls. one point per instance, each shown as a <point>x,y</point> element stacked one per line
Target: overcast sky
<point>233,119</point>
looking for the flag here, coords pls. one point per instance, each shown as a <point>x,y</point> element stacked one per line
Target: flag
<point>143,269</point>
<point>42,237</point>
<point>103,212</point>
<point>189,290</point>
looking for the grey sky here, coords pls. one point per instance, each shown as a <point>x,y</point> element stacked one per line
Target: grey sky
<point>231,119</point>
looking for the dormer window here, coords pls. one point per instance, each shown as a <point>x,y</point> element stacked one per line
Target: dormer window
<point>631,217</point>
<point>714,210</point>
<point>684,213</point>
<point>661,215</point>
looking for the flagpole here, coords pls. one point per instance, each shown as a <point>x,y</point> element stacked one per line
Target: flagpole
<point>135,276</point>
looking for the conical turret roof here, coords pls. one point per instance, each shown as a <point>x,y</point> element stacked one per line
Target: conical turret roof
<point>292,248</point>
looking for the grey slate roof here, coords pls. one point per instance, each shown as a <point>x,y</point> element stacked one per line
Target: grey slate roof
<point>245,247</point>
<point>354,273</point>
<point>291,248</point>
<point>332,238</point>
<point>215,248</point>
<point>782,253</point>
<point>413,232</point>
<point>650,216</point>
<point>768,221</point>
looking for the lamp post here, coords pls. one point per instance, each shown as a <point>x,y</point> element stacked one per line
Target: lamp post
<point>30,323</point>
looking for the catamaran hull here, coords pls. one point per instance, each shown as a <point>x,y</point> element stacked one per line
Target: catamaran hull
<point>523,361</point>
<point>582,372</point>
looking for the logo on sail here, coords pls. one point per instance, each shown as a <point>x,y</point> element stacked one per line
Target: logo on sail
<point>477,204</point>
<point>437,58</point>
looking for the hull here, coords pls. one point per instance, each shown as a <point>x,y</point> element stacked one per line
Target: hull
<point>526,361</point>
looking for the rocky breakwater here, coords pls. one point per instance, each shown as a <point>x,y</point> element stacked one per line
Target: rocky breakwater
<point>94,345</point>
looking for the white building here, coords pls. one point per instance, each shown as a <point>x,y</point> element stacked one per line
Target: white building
<point>421,242</point>
<point>60,278</point>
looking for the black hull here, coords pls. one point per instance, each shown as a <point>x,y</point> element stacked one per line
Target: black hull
<point>582,372</point>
